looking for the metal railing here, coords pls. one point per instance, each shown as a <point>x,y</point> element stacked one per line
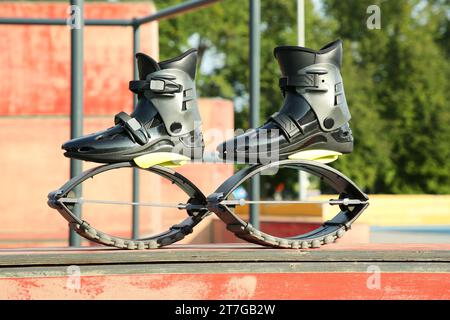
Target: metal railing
<point>76,90</point>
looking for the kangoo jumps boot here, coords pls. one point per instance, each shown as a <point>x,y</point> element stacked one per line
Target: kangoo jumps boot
<point>312,123</point>
<point>164,127</point>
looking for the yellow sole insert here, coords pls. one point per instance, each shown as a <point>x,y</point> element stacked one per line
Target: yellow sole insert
<point>164,159</point>
<point>323,156</point>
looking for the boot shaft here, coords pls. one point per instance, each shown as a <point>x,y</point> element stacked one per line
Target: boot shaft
<point>170,88</point>
<point>316,76</point>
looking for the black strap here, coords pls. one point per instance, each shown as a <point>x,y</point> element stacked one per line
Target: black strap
<point>133,127</point>
<point>286,124</point>
<point>157,85</point>
<point>301,80</point>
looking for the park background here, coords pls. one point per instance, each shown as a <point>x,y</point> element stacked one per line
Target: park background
<point>396,82</point>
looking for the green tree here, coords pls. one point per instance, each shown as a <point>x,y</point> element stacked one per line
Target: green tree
<point>397,88</point>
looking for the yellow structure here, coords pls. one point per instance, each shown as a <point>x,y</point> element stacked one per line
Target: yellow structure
<point>404,210</point>
<point>384,210</point>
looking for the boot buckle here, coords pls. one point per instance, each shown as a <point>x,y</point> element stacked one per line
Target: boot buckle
<point>162,85</point>
<point>157,85</point>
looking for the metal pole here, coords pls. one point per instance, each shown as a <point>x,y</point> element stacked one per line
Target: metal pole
<point>63,22</point>
<point>302,175</point>
<point>255,35</point>
<point>301,22</point>
<point>135,219</point>
<point>175,10</point>
<point>161,14</point>
<point>76,99</point>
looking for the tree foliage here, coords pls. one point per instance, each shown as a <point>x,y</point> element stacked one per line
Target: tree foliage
<point>397,89</point>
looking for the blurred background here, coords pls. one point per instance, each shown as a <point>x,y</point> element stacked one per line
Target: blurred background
<point>396,82</point>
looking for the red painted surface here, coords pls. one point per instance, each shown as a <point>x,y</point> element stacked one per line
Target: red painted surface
<point>288,286</point>
<point>280,229</point>
<point>287,229</point>
<point>360,233</point>
<point>35,60</point>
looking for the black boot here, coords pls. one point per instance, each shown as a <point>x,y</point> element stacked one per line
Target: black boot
<point>166,120</point>
<point>313,120</point>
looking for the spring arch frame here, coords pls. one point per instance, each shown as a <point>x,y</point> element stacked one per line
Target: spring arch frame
<point>198,207</point>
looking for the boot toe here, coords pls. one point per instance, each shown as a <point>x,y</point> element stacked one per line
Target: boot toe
<point>79,146</point>
<point>99,145</point>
